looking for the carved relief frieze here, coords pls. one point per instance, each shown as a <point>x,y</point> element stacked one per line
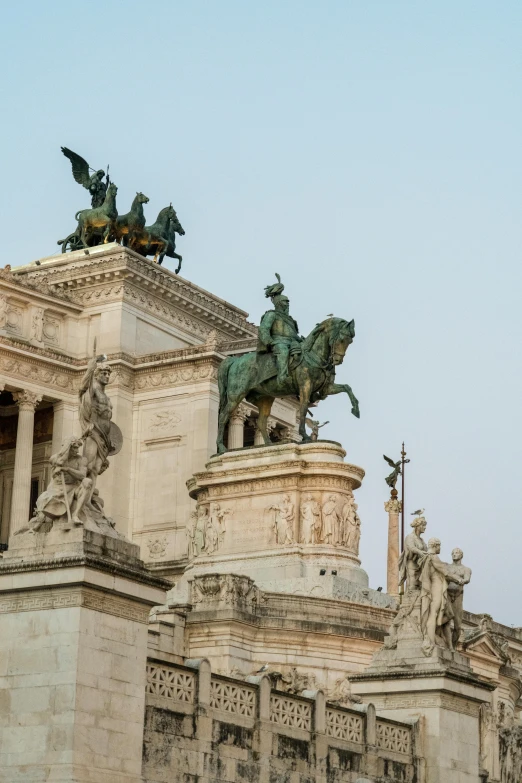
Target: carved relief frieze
<point>178,376</point>
<point>25,370</point>
<point>74,596</point>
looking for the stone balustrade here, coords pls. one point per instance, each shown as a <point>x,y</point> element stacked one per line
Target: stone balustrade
<point>234,725</point>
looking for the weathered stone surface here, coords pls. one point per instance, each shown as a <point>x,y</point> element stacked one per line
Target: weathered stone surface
<point>73,650</point>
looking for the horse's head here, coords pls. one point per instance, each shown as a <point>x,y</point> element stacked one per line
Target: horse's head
<point>175,225</point>
<point>141,198</point>
<point>341,334</point>
<point>112,190</point>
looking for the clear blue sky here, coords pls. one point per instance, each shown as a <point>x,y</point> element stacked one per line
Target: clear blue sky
<point>369,152</point>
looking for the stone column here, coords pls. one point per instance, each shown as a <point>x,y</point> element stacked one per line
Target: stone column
<point>20,511</point>
<point>65,423</point>
<point>236,426</point>
<point>393,507</point>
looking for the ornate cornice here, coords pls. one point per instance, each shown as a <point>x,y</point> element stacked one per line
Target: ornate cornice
<point>42,286</point>
<point>119,272</point>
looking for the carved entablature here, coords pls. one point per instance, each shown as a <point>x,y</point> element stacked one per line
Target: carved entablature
<point>115,273</point>
<point>19,368</point>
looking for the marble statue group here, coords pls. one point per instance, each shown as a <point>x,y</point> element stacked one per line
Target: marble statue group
<point>72,497</point>
<point>433,595</point>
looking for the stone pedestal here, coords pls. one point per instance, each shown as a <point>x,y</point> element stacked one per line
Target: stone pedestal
<point>73,649</point>
<point>256,508</point>
<point>403,683</point>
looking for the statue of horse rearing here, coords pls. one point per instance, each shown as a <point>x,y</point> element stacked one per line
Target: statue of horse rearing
<point>253,377</point>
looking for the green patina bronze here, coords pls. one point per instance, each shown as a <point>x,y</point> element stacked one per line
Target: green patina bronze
<point>102,223</point>
<point>127,226</point>
<point>285,365</point>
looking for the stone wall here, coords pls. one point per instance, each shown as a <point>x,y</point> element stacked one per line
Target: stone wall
<point>202,728</point>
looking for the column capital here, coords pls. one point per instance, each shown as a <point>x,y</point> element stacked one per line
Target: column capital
<point>26,399</point>
<point>242,412</point>
<point>393,506</point>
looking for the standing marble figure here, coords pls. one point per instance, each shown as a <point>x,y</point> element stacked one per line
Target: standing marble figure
<point>436,606</point>
<point>412,557</point>
<point>456,592</point>
<point>102,438</point>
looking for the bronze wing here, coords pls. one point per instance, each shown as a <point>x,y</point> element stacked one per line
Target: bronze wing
<point>80,167</point>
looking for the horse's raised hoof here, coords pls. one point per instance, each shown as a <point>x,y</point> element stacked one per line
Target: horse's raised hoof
<point>356,412</point>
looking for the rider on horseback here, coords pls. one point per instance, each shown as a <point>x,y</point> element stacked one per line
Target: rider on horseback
<point>278,332</point>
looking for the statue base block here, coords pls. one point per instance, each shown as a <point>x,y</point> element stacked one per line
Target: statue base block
<point>285,516</point>
<point>73,541</point>
<point>408,679</point>
<point>73,649</point>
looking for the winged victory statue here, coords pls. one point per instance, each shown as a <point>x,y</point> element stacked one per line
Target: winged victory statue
<point>92,182</point>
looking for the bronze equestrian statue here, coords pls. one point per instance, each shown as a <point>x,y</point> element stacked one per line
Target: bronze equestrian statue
<point>285,365</point>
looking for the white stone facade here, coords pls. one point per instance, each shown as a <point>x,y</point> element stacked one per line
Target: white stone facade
<point>164,338</point>
<point>265,660</point>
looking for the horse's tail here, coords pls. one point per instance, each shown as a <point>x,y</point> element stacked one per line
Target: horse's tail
<point>76,216</point>
<point>223,380</point>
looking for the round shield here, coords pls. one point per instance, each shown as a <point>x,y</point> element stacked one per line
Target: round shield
<point>116,437</point>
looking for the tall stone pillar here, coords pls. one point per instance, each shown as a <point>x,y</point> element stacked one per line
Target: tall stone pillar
<point>236,426</point>
<point>393,507</point>
<point>65,423</point>
<point>20,511</point>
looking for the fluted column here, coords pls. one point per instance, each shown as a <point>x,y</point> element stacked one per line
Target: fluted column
<point>65,423</point>
<point>236,426</point>
<point>20,511</point>
<point>393,507</point>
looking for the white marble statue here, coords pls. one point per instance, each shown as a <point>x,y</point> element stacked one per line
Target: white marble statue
<point>346,517</point>
<point>211,536</point>
<point>456,592</point>
<point>353,537</point>
<point>330,531</point>
<point>412,557</point>
<point>200,529</point>
<point>284,521</point>
<point>64,499</point>
<point>37,320</point>
<point>310,520</point>
<point>436,605</point>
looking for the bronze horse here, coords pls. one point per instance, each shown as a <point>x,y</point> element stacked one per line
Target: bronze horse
<point>253,377</point>
<point>94,225</point>
<point>157,238</point>
<point>127,225</point>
